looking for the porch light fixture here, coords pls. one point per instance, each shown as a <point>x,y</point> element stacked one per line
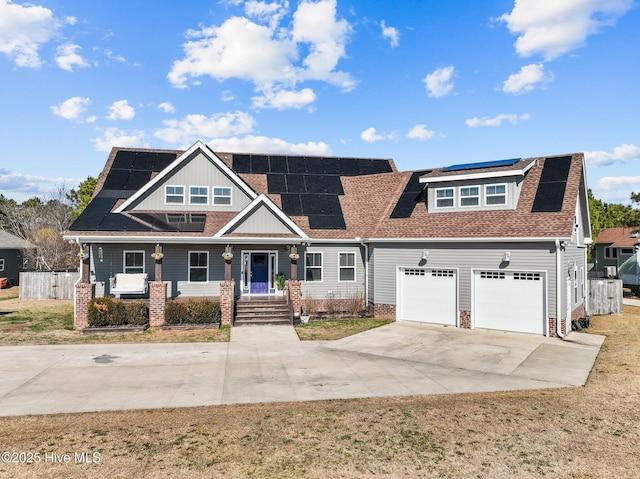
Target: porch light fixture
<point>83,255</point>
<point>294,256</point>
<point>425,255</point>
<point>227,255</point>
<point>157,255</point>
<point>506,257</point>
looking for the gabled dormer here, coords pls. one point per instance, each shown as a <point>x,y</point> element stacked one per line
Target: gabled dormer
<point>483,186</point>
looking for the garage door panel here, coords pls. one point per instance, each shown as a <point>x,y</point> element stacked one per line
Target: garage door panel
<point>427,295</point>
<point>510,301</point>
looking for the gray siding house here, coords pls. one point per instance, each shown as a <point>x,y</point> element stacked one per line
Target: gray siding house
<point>616,254</point>
<point>12,257</point>
<point>498,245</point>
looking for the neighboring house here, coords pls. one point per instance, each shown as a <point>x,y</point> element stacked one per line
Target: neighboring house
<point>12,257</point>
<point>616,253</point>
<point>499,245</point>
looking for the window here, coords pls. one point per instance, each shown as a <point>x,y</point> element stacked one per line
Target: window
<point>313,267</point>
<point>626,251</point>
<point>134,261</point>
<point>444,198</point>
<point>495,194</point>
<point>469,196</point>
<point>491,275</point>
<point>198,195</point>
<point>575,286</point>
<point>527,276</point>
<point>1,264</point>
<point>221,196</point>
<point>610,253</point>
<point>198,266</point>
<point>174,195</point>
<point>347,266</point>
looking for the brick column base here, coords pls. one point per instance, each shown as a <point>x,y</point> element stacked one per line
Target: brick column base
<point>384,310</point>
<point>84,294</point>
<point>157,303</point>
<point>295,296</point>
<point>227,297</point>
<point>465,319</point>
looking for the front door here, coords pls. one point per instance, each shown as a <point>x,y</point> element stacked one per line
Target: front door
<point>259,273</point>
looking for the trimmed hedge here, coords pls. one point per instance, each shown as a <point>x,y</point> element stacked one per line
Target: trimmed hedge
<point>107,311</point>
<point>193,311</point>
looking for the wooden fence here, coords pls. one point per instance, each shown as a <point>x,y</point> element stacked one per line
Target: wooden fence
<point>605,296</point>
<point>47,284</point>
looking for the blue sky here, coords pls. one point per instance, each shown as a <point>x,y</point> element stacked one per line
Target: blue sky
<point>425,82</point>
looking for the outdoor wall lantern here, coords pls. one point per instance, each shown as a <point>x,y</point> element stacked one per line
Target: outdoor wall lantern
<point>294,256</point>
<point>157,255</point>
<point>425,255</point>
<point>227,255</point>
<point>506,257</point>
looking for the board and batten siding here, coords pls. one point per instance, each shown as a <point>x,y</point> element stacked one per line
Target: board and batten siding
<point>465,258</point>
<point>262,220</point>
<point>199,171</point>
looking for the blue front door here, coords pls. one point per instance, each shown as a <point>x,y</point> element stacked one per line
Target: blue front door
<point>259,273</point>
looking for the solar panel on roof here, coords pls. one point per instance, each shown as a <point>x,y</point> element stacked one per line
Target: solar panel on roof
<point>552,185</point>
<point>278,164</point>
<point>242,163</point>
<point>137,179</point>
<point>330,166</point>
<point>349,167</point>
<point>327,222</point>
<point>410,195</point>
<point>276,184</point>
<point>324,184</point>
<point>295,184</point>
<point>382,166</point>
<point>313,166</point>
<point>482,164</point>
<point>116,179</point>
<point>259,164</point>
<point>291,204</point>
<point>123,160</point>
<point>296,164</point>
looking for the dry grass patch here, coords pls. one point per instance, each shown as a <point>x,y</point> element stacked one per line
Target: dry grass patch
<point>587,432</point>
<point>337,328</point>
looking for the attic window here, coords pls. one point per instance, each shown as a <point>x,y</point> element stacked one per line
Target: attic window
<point>469,196</point>
<point>222,196</point>
<point>198,195</point>
<point>174,195</point>
<point>444,198</point>
<point>496,194</point>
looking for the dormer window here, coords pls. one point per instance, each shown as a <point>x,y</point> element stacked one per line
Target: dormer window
<point>222,196</point>
<point>445,198</point>
<point>174,195</point>
<point>469,196</point>
<point>199,195</point>
<point>496,194</point>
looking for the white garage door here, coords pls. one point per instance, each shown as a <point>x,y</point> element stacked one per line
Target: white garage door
<point>427,295</point>
<point>509,301</point>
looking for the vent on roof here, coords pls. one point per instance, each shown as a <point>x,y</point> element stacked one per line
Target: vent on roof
<point>552,185</point>
<point>483,164</point>
<point>411,195</point>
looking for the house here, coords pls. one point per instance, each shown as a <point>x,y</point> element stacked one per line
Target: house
<point>12,257</point>
<point>616,254</point>
<point>498,245</point>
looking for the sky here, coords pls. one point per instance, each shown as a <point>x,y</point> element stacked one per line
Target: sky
<point>425,82</point>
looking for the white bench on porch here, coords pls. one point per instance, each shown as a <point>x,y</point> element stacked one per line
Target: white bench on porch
<point>129,283</point>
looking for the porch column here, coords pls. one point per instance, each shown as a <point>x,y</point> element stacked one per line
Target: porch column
<point>86,263</point>
<point>294,263</point>
<point>227,289</point>
<point>295,296</point>
<point>157,291</point>
<point>227,255</point>
<point>158,255</point>
<point>85,291</point>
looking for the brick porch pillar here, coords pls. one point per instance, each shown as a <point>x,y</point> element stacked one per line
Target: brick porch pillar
<point>227,297</point>
<point>84,294</point>
<point>157,303</point>
<point>295,296</point>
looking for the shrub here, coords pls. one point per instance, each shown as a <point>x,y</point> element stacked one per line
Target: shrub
<point>137,312</point>
<point>310,305</point>
<point>193,311</point>
<point>106,311</point>
<point>175,312</point>
<point>332,305</point>
<point>354,304</point>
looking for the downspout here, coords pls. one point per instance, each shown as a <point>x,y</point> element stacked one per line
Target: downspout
<point>558,289</point>
<point>366,272</point>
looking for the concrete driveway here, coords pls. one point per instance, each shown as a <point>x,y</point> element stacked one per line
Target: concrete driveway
<point>269,363</point>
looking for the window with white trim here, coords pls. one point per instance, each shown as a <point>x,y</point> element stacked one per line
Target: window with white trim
<point>469,196</point>
<point>313,266</point>
<point>133,261</point>
<point>445,198</point>
<point>347,267</point>
<point>174,194</point>
<point>198,195</point>
<point>222,196</point>
<point>1,264</point>
<point>610,253</point>
<point>495,194</point>
<point>198,266</point>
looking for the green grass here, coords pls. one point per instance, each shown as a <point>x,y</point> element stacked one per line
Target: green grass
<point>49,319</point>
<point>331,329</point>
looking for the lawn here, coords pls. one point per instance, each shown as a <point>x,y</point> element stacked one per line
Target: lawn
<point>587,432</point>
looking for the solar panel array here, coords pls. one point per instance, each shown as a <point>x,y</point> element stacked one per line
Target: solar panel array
<point>553,182</point>
<point>411,195</point>
<point>309,186</point>
<point>483,164</point>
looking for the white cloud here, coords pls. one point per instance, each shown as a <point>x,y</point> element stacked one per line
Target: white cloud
<point>228,95</point>
<point>497,120</point>
<point>121,110</point>
<point>621,154</point>
<point>616,189</point>
<point>19,184</point>
<point>114,137</point>
<point>370,135</point>
<point>72,109</point>
<point>23,30</point>
<point>391,34</point>
<point>526,79</point>
<point>192,127</point>
<point>440,81</point>
<point>167,107</point>
<point>67,57</point>
<point>553,28</point>
<point>283,99</point>
<point>269,56</point>
<point>263,144</point>
<point>420,132</point>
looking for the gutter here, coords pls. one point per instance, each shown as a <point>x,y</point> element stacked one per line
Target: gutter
<point>559,246</point>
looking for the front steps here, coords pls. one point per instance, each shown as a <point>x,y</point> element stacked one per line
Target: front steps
<point>262,311</point>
